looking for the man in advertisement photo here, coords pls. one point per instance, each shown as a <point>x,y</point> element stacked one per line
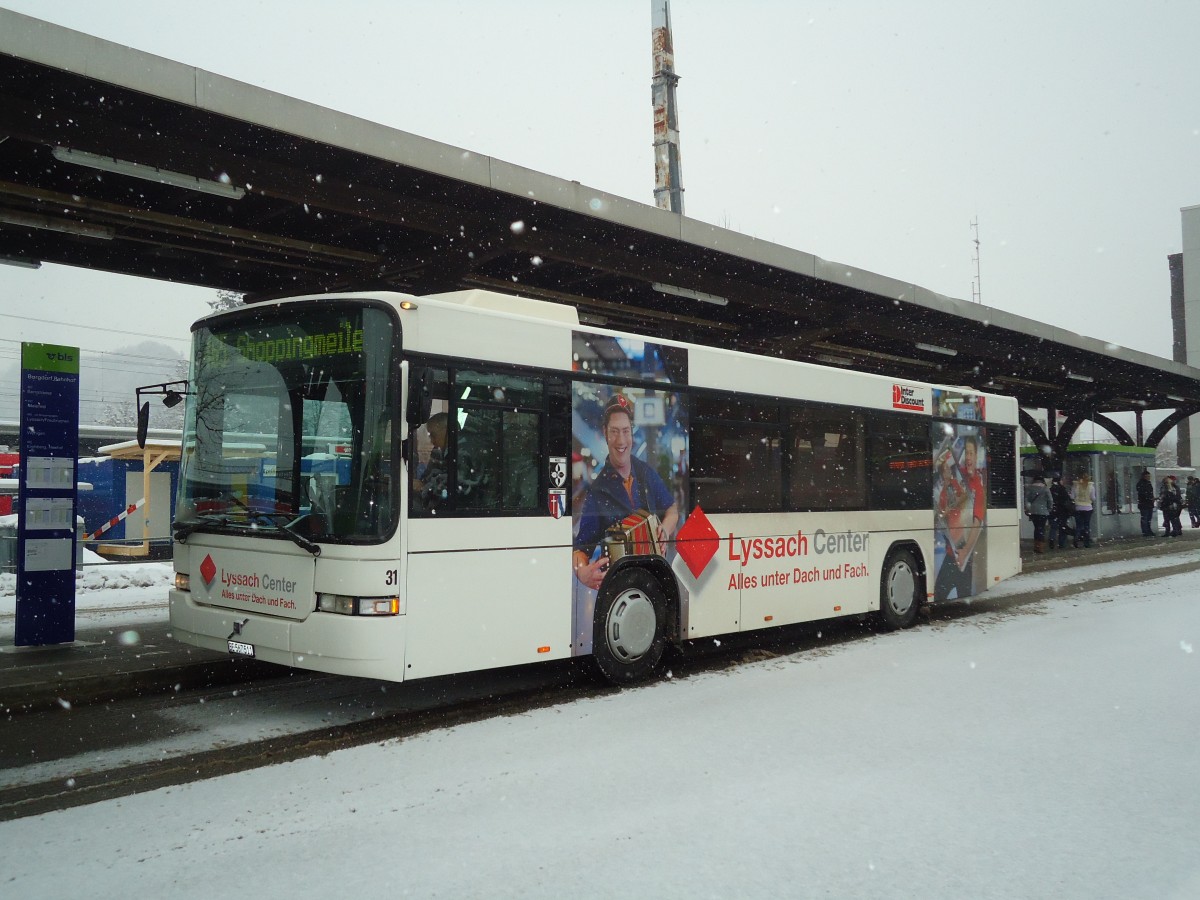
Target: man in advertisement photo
<point>624,484</point>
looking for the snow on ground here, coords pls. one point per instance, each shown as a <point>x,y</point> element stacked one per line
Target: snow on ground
<point>110,595</point>
<point>1046,755</point>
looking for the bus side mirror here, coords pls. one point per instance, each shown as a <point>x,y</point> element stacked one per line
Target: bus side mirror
<point>172,393</point>
<point>143,424</point>
<point>420,399</point>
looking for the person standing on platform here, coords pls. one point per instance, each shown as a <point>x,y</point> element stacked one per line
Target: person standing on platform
<point>1037,507</point>
<point>1193,500</point>
<point>1145,501</point>
<point>1063,510</point>
<point>1170,501</point>
<point>1083,495</point>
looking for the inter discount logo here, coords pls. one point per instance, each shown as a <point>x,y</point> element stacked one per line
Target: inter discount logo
<point>907,398</point>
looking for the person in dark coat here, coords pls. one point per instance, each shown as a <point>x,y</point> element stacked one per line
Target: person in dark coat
<point>1064,509</point>
<point>1192,498</point>
<point>1145,501</point>
<point>1170,501</point>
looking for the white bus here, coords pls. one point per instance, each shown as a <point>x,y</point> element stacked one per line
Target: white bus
<point>496,485</point>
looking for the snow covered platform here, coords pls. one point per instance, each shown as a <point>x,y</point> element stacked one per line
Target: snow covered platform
<point>123,645</point>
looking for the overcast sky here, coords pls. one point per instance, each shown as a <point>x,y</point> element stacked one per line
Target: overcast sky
<point>867,133</point>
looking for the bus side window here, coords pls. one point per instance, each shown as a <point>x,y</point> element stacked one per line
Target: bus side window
<point>428,457</point>
<point>480,451</point>
<point>477,453</point>
<point>736,449</point>
<point>498,460</point>
<point>1000,445</point>
<point>521,460</point>
<point>899,461</point>
<point>827,460</point>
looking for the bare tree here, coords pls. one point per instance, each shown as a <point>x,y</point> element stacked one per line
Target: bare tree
<point>226,300</point>
<point>120,413</point>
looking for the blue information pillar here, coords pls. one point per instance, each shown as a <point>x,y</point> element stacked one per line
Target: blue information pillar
<point>46,495</point>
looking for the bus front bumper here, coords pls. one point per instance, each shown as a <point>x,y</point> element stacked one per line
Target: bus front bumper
<point>363,646</point>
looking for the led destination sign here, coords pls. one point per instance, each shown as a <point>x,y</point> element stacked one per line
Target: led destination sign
<point>341,337</point>
<point>346,340</point>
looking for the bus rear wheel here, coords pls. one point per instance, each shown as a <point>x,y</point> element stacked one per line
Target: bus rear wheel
<point>901,590</point>
<point>628,637</point>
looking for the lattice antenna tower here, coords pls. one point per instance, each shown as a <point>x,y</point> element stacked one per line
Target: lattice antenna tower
<point>976,284</point>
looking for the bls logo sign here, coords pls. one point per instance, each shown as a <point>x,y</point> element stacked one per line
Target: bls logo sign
<point>54,356</point>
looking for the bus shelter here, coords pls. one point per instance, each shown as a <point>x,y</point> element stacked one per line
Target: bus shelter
<point>152,507</point>
<point>1113,468</point>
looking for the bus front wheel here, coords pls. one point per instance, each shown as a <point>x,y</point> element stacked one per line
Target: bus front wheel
<point>901,590</point>
<point>628,637</point>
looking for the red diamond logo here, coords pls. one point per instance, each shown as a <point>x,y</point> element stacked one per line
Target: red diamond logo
<point>208,570</point>
<point>697,542</point>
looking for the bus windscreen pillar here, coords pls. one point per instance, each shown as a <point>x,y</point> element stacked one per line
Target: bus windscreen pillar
<point>46,495</point>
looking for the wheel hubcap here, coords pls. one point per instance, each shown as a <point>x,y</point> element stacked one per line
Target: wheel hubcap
<point>631,625</point>
<point>902,585</point>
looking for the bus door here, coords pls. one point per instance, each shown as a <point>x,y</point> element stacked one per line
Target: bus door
<point>488,559</point>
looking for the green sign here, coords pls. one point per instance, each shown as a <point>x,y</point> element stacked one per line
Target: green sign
<point>50,358</point>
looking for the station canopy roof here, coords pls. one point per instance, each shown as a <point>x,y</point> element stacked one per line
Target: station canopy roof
<point>114,159</point>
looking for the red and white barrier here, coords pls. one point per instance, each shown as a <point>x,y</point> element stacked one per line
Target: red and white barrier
<point>114,520</point>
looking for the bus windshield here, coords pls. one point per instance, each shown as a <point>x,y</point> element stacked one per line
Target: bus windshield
<point>288,425</point>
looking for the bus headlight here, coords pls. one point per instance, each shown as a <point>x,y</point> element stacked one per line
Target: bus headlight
<point>183,581</point>
<point>359,606</point>
<point>335,603</point>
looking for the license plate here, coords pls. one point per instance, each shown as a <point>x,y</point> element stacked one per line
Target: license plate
<point>239,648</point>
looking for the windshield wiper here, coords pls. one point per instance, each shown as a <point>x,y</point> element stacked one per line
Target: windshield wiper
<point>286,527</point>
<point>183,529</point>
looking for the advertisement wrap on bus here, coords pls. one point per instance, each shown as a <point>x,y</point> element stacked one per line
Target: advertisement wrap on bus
<point>960,496</point>
<point>403,487</point>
